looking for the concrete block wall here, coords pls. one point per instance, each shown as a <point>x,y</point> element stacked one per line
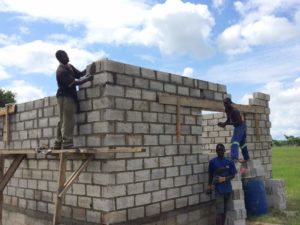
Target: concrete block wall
<point>259,146</point>
<point>118,108</point>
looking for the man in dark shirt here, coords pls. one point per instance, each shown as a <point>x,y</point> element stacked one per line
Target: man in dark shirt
<point>238,139</point>
<point>66,76</point>
<point>221,170</point>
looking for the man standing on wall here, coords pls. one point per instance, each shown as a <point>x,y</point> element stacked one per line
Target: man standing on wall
<point>67,100</point>
<point>221,170</point>
<point>238,139</point>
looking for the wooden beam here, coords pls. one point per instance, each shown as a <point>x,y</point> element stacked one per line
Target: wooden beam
<point>11,171</point>
<point>61,181</point>
<point>210,105</point>
<point>178,125</point>
<point>74,176</point>
<point>73,151</point>
<point>257,126</point>
<point>2,161</point>
<point>11,109</point>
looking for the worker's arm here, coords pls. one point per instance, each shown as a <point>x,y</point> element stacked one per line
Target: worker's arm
<point>227,122</point>
<point>232,171</point>
<point>82,80</point>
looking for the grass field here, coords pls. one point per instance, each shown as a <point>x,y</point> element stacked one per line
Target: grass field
<point>286,165</point>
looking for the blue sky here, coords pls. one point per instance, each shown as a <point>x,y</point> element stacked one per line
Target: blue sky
<point>250,45</point>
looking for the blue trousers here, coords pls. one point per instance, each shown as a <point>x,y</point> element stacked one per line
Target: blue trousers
<point>238,140</point>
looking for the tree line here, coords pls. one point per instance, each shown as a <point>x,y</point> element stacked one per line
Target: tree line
<point>289,141</point>
<point>6,97</point>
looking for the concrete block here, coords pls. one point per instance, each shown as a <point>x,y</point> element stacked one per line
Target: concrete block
<point>141,83</point>
<point>156,85</point>
<point>114,140</point>
<point>124,80</point>
<point>183,90</point>
<point>168,206</point>
<point>170,88</point>
<point>158,196</point>
<point>152,209</point>
<point>123,103</point>
<point>133,93</point>
<point>113,191</point>
<point>150,163</point>
<point>103,204</point>
<point>114,90</point>
<point>148,73</point>
<point>135,213</point>
<point>166,183</point>
<point>157,174</point>
<point>142,175</point>
<point>142,199</point>
<point>134,164</point>
<point>148,95</point>
<point>114,217</point>
<point>141,105</point>
<point>135,188</point>
<point>132,70</point>
<point>172,171</point>
<point>152,185</point>
<point>107,178</point>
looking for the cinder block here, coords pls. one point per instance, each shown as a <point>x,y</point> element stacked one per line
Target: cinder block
<point>134,164</point>
<point>133,93</point>
<point>135,213</point>
<point>142,175</point>
<point>113,191</point>
<point>103,204</point>
<point>142,199</point>
<point>158,196</point>
<point>135,188</point>
<point>114,90</point>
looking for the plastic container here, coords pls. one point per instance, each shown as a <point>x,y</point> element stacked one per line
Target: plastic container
<point>255,196</point>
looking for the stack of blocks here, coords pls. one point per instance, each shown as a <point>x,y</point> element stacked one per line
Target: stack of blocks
<point>276,196</point>
<point>120,108</point>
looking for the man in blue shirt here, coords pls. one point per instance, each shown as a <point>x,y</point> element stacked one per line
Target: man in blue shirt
<point>221,170</point>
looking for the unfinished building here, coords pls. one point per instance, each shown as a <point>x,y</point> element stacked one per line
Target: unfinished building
<point>153,140</point>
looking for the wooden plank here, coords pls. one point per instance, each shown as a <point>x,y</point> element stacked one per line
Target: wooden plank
<point>11,171</point>
<point>2,161</point>
<point>210,105</point>
<point>178,124</point>
<point>75,150</point>
<point>257,127</point>
<point>6,136</point>
<point>61,181</point>
<point>11,109</point>
<point>74,176</point>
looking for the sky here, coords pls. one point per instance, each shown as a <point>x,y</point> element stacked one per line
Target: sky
<point>250,45</point>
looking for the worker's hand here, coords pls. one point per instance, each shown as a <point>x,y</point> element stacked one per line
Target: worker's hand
<point>220,124</point>
<point>209,190</point>
<point>222,179</point>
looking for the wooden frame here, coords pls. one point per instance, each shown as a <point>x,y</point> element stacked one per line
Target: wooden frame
<point>85,154</point>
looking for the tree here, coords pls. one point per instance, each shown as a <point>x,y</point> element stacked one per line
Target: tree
<point>6,97</point>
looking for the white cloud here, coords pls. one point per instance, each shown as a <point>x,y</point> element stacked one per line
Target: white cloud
<point>39,57</point>
<point>128,21</point>
<point>6,40</point>
<point>188,72</point>
<point>3,74</point>
<point>274,63</point>
<point>263,22</point>
<point>285,107</point>
<point>25,92</point>
<point>218,3</point>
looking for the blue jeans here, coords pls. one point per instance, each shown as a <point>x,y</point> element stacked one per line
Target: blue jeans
<point>238,140</point>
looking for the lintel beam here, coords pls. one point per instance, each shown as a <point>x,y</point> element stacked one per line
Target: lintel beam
<point>210,105</point>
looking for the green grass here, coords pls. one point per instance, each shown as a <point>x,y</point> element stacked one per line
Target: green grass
<point>286,165</point>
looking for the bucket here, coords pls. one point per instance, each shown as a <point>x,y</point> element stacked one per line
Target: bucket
<point>255,196</point>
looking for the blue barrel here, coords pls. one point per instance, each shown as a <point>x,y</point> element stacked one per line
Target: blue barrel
<point>255,196</point>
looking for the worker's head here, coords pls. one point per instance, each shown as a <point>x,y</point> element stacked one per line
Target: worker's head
<point>220,149</point>
<point>227,102</point>
<point>62,57</point>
